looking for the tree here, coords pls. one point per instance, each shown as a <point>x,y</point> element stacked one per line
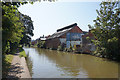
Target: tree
<point>13,29</point>
<point>106,30</point>
<point>15,26</point>
<point>11,26</point>
<point>28,32</point>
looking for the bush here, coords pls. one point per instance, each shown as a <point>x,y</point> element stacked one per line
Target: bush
<point>41,44</point>
<point>23,54</point>
<point>61,47</point>
<point>65,49</point>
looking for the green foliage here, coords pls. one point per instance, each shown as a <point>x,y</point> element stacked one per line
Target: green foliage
<point>13,3</point>
<point>61,47</point>
<point>13,30</point>
<point>9,58</point>
<point>106,30</point>
<point>87,38</point>
<point>23,54</point>
<point>41,44</point>
<point>16,28</point>
<point>6,62</point>
<point>11,26</point>
<point>70,47</point>
<point>28,32</point>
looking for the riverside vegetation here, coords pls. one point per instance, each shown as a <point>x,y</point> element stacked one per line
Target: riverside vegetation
<point>17,30</point>
<point>106,30</point>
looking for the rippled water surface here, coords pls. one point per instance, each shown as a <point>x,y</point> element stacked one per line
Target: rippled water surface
<point>56,64</point>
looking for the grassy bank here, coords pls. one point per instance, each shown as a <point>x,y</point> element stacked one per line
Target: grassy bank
<point>23,54</point>
<point>9,58</point>
<point>6,61</point>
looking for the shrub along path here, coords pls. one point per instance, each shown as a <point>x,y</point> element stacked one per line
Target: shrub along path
<point>18,68</point>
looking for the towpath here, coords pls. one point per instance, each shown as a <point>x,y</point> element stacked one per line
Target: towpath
<point>18,68</point>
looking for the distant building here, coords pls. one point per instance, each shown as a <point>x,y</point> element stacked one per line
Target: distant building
<point>33,42</point>
<point>68,36</point>
<point>42,38</point>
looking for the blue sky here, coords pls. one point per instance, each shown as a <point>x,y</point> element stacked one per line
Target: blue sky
<point>49,16</point>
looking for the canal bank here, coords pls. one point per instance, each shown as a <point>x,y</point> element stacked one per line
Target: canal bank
<point>80,51</point>
<point>19,68</point>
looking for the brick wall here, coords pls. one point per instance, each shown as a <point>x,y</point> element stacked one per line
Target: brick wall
<point>52,43</point>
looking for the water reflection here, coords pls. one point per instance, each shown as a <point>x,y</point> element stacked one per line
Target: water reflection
<point>69,65</point>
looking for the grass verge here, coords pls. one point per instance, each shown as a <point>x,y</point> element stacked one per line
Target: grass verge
<point>6,62</point>
<point>9,58</point>
<point>23,54</point>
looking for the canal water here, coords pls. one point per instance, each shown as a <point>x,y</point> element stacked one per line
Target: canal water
<point>56,64</point>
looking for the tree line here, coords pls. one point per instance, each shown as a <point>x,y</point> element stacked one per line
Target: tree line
<point>17,28</point>
<point>106,30</point>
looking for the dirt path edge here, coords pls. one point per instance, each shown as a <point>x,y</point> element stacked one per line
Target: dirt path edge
<point>26,73</point>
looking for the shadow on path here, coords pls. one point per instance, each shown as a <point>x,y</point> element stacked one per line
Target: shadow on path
<point>15,71</point>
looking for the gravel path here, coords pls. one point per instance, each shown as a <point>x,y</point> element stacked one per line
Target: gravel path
<point>18,68</point>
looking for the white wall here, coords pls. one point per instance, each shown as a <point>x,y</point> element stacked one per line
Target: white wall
<point>75,43</point>
<point>63,40</point>
<point>72,43</point>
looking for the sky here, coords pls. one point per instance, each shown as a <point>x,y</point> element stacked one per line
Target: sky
<point>47,17</point>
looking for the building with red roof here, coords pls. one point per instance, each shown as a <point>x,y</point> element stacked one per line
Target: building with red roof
<point>68,36</point>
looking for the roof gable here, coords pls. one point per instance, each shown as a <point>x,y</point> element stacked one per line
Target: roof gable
<point>76,29</point>
<point>67,27</point>
<point>71,28</point>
